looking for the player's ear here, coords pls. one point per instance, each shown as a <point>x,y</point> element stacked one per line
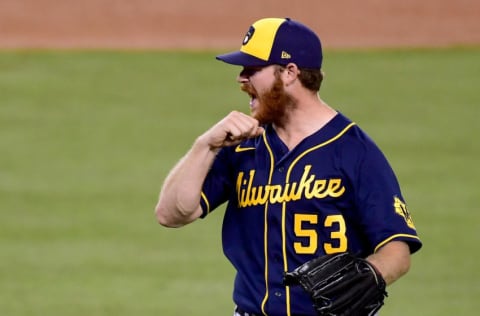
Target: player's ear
<point>292,68</point>
<point>291,72</point>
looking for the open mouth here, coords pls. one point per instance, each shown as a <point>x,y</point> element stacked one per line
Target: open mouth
<point>253,97</point>
<point>251,93</point>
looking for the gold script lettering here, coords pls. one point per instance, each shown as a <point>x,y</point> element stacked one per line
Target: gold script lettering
<point>308,187</point>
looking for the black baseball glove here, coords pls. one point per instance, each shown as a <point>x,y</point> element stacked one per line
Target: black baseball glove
<point>340,285</point>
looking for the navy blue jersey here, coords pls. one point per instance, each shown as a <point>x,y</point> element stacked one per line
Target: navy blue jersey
<point>334,192</point>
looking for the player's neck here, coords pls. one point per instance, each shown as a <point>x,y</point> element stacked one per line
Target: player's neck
<point>304,120</point>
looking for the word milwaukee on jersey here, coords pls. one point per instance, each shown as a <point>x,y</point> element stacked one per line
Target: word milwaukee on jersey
<point>309,188</point>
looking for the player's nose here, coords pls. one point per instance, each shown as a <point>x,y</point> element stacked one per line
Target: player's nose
<point>243,76</point>
<point>242,79</point>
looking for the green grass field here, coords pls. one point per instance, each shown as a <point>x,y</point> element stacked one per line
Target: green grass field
<point>87,137</point>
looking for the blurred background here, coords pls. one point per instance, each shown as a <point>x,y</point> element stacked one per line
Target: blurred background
<point>218,23</point>
<point>99,99</point>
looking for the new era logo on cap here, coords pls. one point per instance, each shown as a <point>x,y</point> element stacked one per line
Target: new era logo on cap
<point>277,41</point>
<point>286,55</point>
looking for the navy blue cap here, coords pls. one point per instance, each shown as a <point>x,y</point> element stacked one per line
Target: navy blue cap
<point>277,41</point>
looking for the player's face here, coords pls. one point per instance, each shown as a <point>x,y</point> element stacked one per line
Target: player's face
<point>268,100</point>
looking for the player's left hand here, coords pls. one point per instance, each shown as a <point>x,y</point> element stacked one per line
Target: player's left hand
<point>340,285</point>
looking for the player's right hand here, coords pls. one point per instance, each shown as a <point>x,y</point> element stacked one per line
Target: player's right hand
<point>232,130</point>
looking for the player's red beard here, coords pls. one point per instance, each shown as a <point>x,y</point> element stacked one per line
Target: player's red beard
<point>274,104</point>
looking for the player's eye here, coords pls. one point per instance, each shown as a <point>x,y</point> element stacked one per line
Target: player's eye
<point>250,71</point>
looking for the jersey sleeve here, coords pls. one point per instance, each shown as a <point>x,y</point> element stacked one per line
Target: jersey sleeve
<point>217,185</point>
<point>383,213</point>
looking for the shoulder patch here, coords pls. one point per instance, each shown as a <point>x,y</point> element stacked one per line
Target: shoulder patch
<point>401,209</point>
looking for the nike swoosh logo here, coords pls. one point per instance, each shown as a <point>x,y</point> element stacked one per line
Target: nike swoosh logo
<point>239,149</point>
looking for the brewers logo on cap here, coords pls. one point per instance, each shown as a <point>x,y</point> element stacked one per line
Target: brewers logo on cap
<point>249,35</point>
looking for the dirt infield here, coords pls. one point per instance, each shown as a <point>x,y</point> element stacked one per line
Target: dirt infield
<point>221,23</point>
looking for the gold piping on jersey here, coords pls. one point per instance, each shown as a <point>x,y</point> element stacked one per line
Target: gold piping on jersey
<point>380,245</point>
<point>318,146</point>
<point>287,180</point>
<point>204,197</point>
<point>284,253</point>
<point>265,214</point>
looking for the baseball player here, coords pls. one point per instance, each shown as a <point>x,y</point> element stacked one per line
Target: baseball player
<point>301,180</point>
